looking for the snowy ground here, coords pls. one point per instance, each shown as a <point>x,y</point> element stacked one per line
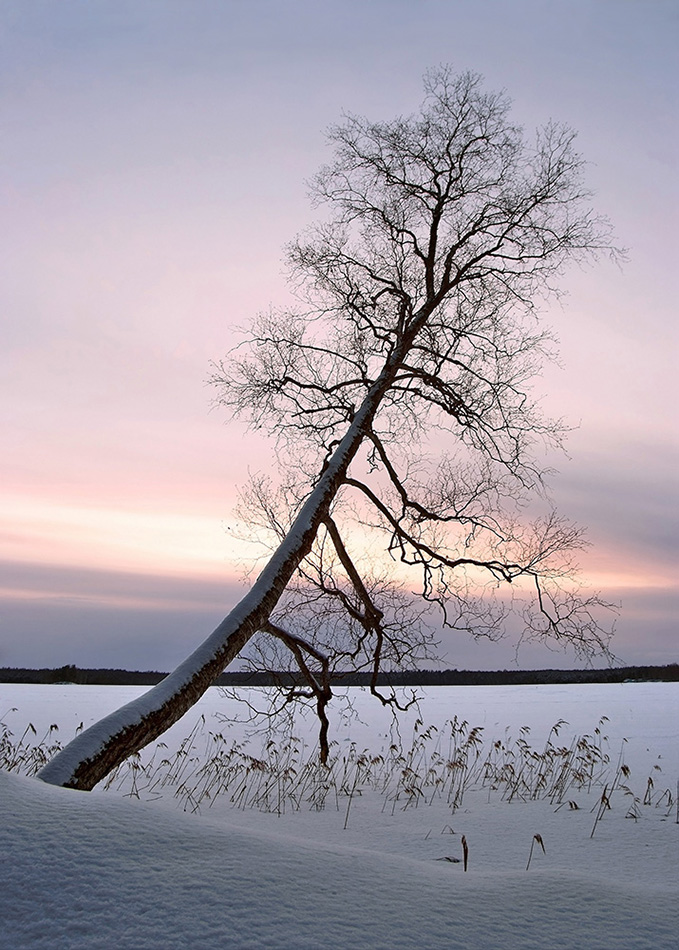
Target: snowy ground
<point>100,870</point>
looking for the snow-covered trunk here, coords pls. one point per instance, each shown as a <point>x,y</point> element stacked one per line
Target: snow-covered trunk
<point>94,753</point>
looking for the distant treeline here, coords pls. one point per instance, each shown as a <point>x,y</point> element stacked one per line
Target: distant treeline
<point>73,674</point>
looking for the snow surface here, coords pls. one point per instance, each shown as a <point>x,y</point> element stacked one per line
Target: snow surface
<point>96,870</point>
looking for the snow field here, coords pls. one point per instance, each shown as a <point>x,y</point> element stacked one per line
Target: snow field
<point>100,870</point>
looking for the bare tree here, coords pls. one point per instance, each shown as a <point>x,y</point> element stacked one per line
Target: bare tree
<point>417,325</point>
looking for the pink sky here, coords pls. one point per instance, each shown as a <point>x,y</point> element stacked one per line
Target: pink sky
<point>154,164</point>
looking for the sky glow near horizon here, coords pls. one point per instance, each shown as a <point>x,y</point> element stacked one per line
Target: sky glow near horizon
<point>155,162</point>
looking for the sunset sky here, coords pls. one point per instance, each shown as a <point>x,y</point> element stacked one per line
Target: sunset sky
<point>154,161</point>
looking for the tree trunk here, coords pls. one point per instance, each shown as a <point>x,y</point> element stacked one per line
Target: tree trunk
<point>94,753</point>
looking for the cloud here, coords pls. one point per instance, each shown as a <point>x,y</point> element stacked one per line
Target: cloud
<point>155,167</point>
<point>91,618</point>
<point>57,615</point>
<point>29,581</point>
<point>627,495</point>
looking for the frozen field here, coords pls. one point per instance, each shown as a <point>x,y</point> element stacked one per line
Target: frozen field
<point>381,863</point>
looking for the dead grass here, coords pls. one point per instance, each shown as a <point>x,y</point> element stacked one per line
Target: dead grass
<point>436,765</point>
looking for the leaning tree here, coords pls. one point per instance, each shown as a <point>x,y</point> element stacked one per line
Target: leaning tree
<point>400,393</point>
